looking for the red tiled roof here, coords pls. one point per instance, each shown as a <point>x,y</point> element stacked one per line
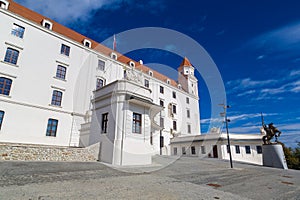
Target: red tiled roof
<point>184,63</point>
<point>60,29</point>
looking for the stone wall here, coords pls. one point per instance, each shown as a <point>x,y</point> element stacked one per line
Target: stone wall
<point>25,152</point>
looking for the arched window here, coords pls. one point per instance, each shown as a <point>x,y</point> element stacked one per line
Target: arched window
<point>5,85</point>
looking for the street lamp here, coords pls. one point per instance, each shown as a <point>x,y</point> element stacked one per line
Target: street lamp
<point>224,114</point>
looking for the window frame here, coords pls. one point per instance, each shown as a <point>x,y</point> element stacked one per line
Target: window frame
<point>11,56</point>
<point>174,94</point>
<point>246,149</point>
<point>146,83</point>
<point>183,149</point>
<point>193,150</point>
<point>174,125</point>
<point>137,123</point>
<point>98,81</point>
<point>237,149</point>
<point>189,129</point>
<point>259,149</point>
<point>161,89</point>
<point>56,99</point>
<point>6,88</point>
<point>203,150</point>
<point>61,74</point>
<point>2,113</point>
<point>65,50</point>
<point>50,132</point>
<point>18,31</point>
<point>187,100</point>
<point>188,113</point>
<point>174,109</point>
<point>101,65</point>
<point>104,123</point>
<point>161,103</point>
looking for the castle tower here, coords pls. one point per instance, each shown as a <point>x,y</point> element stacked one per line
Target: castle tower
<point>187,78</point>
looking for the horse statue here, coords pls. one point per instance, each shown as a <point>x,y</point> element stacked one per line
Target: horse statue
<point>270,131</point>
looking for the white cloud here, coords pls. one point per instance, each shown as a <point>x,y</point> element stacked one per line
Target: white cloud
<point>67,11</point>
<point>249,83</point>
<point>260,57</point>
<point>283,42</point>
<point>70,11</point>
<point>295,73</point>
<point>246,93</point>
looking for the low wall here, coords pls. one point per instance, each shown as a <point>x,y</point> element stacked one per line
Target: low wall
<point>24,152</point>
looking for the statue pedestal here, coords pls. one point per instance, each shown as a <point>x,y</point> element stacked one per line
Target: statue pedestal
<point>273,156</point>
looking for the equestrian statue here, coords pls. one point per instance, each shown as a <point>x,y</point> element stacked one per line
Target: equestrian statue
<point>269,132</point>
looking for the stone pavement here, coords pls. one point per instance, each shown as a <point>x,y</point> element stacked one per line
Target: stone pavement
<point>186,178</point>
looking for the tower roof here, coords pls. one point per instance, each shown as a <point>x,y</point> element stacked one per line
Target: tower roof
<point>185,62</point>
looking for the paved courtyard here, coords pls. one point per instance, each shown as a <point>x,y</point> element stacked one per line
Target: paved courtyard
<point>186,178</point>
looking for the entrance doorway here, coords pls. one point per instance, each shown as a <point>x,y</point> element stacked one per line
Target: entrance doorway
<point>215,151</point>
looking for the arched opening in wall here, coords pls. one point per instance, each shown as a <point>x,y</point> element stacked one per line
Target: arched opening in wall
<point>47,24</point>
<point>87,43</point>
<point>114,56</point>
<point>4,4</point>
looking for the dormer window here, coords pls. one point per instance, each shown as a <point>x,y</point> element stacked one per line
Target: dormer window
<point>114,56</point>
<point>150,73</point>
<point>168,81</point>
<point>47,24</point>
<point>87,43</point>
<point>179,86</point>
<point>4,4</point>
<point>131,64</point>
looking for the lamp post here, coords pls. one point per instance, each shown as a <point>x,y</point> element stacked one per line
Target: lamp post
<point>224,114</point>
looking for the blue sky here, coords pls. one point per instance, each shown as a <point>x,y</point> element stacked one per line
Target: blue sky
<point>255,45</point>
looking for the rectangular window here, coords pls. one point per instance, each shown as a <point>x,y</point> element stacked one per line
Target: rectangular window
<point>183,151</point>
<point>5,85</point>
<point>137,123</point>
<point>100,83</point>
<point>146,83</point>
<point>101,65</point>
<point>189,128</point>
<point>61,72</point>
<point>11,56</point>
<point>174,95</point>
<point>228,148</point>
<point>259,149</point>
<point>203,150</point>
<point>104,122</point>
<point>65,50</point>
<point>52,127</point>
<point>174,109</point>
<point>151,138</point>
<point>161,103</point>
<point>161,124</point>
<point>56,98</point>
<point>1,118</point>
<point>18,31</point>
<point>187,100</point>
<point>161,89</point>
<point>193,150</point>
<point>188,114</point>
<point>175,151</point>
<point>248,150</point>
<point>237,149</point>
<point>174,125</point>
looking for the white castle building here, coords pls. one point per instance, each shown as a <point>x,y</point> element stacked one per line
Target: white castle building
<point>60,88</point>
